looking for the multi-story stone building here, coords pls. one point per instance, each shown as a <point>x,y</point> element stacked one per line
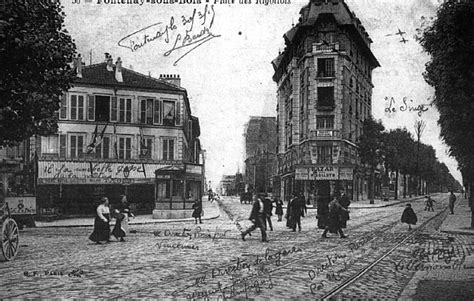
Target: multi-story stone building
<point>260,153</point>
<point>324,79</point>
<point>122,132</point>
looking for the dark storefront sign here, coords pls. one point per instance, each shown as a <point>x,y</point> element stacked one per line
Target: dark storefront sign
<point>324,172</point>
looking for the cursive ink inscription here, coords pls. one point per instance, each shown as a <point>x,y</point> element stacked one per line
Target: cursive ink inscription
<point>185,33</point>
<point>407,106</point>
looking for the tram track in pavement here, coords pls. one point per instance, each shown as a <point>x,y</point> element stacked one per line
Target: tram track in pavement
<point>192,274</point>
<point>351,280</point>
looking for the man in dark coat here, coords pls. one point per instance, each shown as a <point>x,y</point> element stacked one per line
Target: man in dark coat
<point>344,202</point>
<point>298,210</point>
<point>267,208</point>
<point>323,212</point>
<point>334,218</point>
<point>257,216</point>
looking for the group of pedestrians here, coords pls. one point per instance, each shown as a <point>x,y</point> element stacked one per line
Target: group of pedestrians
<point>332,216</point>
<point>101,232</point>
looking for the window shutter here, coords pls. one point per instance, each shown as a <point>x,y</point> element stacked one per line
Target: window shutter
<point>157,112</point>
<point>113,109</point>
<point>90,107</point>
<point>178,112</point>
<point>62,146</point>
<point>63,108</point>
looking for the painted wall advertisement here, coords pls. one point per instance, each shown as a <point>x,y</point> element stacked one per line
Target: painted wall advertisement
<point>53,172</point>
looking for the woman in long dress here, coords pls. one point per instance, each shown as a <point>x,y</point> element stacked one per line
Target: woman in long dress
<point>121,216</point>
<point>102,222</point>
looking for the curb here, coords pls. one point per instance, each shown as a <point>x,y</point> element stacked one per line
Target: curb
<point>387,205</point>
<point>157,221</point>
<point>457,232</point>
<point>133,224</point>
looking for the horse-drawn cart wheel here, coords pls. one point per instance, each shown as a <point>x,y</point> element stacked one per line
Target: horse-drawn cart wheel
<point>9,240</point>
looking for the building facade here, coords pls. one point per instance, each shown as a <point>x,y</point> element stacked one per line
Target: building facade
<point>122,132</point>
<point>324,79</point>
<point>260,153</point>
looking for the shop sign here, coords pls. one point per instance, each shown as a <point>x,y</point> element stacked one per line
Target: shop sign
<point>194,169</point>
<point>21,205</point>
<point>94,181</point>
<point>92,171</point>
<point>325,173</point>
<point>345,174</point>
<point>302,174</point>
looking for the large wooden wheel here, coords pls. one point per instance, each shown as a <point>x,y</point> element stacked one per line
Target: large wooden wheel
<point>9,239</point>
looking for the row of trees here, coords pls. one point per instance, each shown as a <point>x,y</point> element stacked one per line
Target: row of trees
<point>449,40</point>
<point>397,151</point>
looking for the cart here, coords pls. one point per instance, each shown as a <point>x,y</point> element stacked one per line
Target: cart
<point>9,234</point>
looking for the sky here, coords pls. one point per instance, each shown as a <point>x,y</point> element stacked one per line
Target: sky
<point>226,68</point>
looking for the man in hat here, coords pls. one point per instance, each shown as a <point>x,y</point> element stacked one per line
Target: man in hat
<point>257,216</point>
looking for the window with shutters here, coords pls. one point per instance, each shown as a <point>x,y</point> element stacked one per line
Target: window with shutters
<point>146,147</point>
<point>124,147</point>
<point>49,144</point>
<point>91,107</point>
<point>76,145</point>
<point>146,111</point>
<point>169,113</point>
<point>157,118</point>
<point>63,107</point>
<point>168,148</point>
<point>62,146</point>
<point>121,109</point>
<point>102,151</point>
<point>102,108</point>
<point>77,107</point>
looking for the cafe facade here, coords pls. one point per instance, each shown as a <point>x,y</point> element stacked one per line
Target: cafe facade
<point>116,129</point>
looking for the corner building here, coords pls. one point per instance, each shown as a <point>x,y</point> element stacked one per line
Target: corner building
<point>122,132</point>
<point>324,79</point>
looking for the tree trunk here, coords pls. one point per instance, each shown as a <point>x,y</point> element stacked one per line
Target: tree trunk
<point>396,184</point>
<point>372,186</point>
<point>471,203</point>
<point>404,186</point>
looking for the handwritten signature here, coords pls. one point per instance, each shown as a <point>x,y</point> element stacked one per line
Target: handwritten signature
<point>185,33</point>
<point>406,106</point>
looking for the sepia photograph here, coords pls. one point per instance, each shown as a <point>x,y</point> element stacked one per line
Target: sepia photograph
<point>237,149</point>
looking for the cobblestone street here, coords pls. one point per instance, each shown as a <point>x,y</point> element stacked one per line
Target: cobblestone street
<point>185,260</point>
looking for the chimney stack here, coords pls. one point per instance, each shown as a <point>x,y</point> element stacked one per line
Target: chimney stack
<point>118,70</point>
<point>109,61</point>
<point>173,79</point>
<point>78,65</point>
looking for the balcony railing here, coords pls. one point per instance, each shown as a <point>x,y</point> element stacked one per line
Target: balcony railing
<point>324,134</point>
<point>325,47</point>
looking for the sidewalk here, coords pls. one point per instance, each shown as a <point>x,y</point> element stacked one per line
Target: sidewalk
<point>378,203</point>
<point>211,211</point>
<point>460,221</point>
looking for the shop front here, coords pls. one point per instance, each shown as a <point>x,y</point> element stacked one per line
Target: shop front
<point>176,189</point>
<point>74,188</point>
<point>318,182</point>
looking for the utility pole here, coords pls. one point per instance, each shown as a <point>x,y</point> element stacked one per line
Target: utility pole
<point>419,128</point>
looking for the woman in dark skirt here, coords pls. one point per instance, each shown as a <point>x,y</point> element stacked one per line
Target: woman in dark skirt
<point>102,222</point>
<point>322,213</point>
<point>409,216</point>
<point>121,216</point>
<point>197,212</point>
<point>279,208</point>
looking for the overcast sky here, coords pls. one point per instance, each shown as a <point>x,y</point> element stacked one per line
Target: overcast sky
<point>229,76</point>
